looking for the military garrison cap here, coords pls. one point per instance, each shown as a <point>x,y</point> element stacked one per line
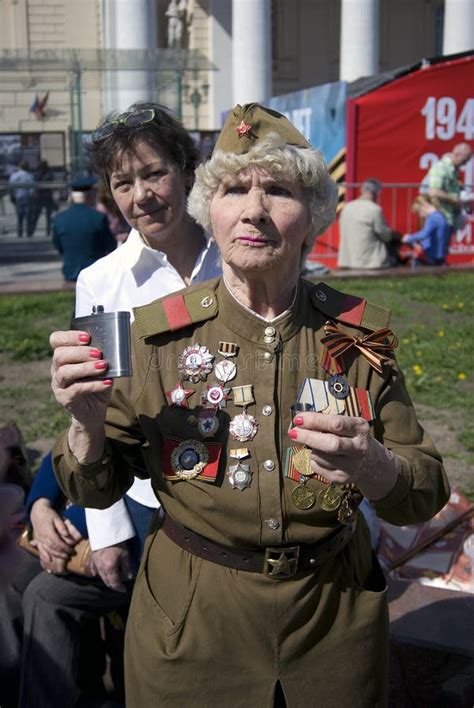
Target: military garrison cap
<point>349,309</point>
<point>246,125</point>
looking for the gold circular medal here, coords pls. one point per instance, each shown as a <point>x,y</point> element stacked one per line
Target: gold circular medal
<point>301,460</point>
<point>302,497</point>
<point>189,459</point>
<point>329,499</point>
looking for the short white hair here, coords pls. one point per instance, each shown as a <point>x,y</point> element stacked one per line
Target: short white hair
<point>305,166</point>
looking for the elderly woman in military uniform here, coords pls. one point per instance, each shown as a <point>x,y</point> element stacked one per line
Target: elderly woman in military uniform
<point>264,408</point>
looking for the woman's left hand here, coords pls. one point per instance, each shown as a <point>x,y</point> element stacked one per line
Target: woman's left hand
<point>343,451</point>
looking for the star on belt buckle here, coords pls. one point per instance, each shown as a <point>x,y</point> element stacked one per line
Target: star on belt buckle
<point>280,562</point>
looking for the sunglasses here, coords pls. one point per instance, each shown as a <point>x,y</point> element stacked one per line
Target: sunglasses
<point>129,120</point>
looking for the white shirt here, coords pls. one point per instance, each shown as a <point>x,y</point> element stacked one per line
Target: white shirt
<point>132,275</point>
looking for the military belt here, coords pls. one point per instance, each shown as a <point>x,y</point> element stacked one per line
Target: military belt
<point>277,562</point>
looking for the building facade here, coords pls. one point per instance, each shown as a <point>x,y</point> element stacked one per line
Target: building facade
<point>84,59</point>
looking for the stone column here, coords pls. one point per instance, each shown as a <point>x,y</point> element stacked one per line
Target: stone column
<point>128,24</point>
<point>359,47</point>
<point>251,51</point>
<point>458,35</point>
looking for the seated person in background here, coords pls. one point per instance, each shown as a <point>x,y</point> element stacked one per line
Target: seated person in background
<point>431,243</point>
<point>366,241</point>
<point>45,613</point>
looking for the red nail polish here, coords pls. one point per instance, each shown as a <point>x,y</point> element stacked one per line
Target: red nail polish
<point>95,353</point>
<point>84,338</point>
<point>298,420</point>
<point>100,365</point>
<point>107,382</point>
<point>293,434</point>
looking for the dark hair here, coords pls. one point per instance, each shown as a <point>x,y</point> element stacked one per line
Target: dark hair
<point>164,133</point>
<point>372,184</point>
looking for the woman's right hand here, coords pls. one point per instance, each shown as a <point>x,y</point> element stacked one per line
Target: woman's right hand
<point>73,371</point>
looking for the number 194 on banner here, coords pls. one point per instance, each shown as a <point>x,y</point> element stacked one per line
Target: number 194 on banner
<point>444,121</point>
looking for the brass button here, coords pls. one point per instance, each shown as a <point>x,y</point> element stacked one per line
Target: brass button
<point>267,410</point>
<point>272,524</point>
<point>268,340</point>
<point>207,301</point>
<point>269,465</point>
<point>268,356</point>
<point>270,331</point>
<point>192,420</point>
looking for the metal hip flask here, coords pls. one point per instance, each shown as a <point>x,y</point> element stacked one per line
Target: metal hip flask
<point>110,332</point>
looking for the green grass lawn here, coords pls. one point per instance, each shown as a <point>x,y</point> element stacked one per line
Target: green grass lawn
<point>432,316</point>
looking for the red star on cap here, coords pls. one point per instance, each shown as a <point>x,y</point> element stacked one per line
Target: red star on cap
<point>179,395</point>
<point>243,129</point>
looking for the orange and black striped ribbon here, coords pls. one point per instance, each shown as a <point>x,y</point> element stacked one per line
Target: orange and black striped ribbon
<point>374,346</point>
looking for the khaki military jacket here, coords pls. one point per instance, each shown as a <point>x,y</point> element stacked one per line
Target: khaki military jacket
<point>188,610</point>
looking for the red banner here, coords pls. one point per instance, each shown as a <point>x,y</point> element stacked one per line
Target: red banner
<point>398,131</point>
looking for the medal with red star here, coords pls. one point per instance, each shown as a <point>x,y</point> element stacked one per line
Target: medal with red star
<point>216,396</point>
<point>243,129</point>
<point>179,395</point>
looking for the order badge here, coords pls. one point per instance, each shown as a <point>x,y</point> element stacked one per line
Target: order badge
<point>243,427</point>
<point>189,459</point>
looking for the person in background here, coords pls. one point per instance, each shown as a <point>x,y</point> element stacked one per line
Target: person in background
<point>47,614</point>
<point>11,503</point>
<point>366,241</point>
<point>22,197</point>
<point>431,243</point>
<point>80,233</point>
<point>146,161</point>
<point>43,198</point>
<point>443,185</point>
<point>118,226</point>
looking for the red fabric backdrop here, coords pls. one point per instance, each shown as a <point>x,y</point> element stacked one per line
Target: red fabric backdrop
<point>397,131</point>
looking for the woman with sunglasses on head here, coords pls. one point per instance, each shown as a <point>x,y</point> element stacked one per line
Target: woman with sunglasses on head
<point>264,409</point>
<point>146,159</point>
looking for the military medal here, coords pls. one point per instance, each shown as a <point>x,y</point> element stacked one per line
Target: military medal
<point>335,396</point>
<point>239,476</point>
<point>243,427</point>
<point>227,349</point>
<point>208,422</point>
<point>336,406</point>
<point>243,395</point>
<point>338,387</point>
<point>303,497</point>
<point>195,363</point>
<point>348,509</point>
<point>329,499</point>
<point>189,459</point>
<point>313,395</point>
<point>216,396</point>
<point>301,460</point>
<point>179,395</point>
<point>225,370</point>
